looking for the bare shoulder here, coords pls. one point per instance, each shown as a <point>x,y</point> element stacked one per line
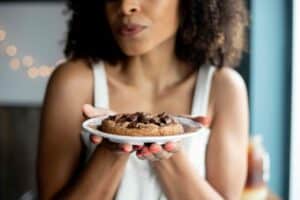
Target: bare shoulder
<point>228,78</point>
<point>228,83</point>
<point>228,91</point>
<point>69,88</point>
<point>72,75</point>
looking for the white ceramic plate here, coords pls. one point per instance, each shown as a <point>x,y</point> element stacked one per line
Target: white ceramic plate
<point>191,128</point>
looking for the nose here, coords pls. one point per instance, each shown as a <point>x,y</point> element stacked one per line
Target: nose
<point>130,6</point>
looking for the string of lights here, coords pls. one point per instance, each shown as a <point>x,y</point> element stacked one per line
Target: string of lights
<point>27,63</point>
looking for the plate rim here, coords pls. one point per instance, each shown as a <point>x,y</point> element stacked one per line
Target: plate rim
<point>109,136</point>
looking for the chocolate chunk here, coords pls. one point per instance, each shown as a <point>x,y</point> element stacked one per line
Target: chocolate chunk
<point>139,116</point>
<point>161,124</point>
<point>125,124</point>
<point>133,125</point>
<point>123,118</point>
<point>145,119</point>
<point>112,117</point>
<point>138,119</point>
<point>155,120</point>
<point>132,118</point>
<point>163,114</point>
<point>166,120</point>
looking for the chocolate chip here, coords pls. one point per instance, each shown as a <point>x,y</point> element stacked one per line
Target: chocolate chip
<point>125,124</point>
<point>155,120</point>
<point>112,117</point>
<point>163,114</point>
<point>137,119</point>
<point>132,125</point>
<point>168,120</point>
<point>132,118</point>
<point>123,118</point>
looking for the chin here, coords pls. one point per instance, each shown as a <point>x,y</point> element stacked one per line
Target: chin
<point>136,48</point>
<point>136,51</point>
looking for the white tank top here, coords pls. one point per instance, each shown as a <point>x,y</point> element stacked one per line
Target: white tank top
<point>139,181</point>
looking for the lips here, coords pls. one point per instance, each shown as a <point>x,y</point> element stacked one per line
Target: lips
<point>130,30</point>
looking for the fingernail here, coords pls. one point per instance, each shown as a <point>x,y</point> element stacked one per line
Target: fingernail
<point>155,148</point>
<point>206,121</point>
<point>169,146</point>
<point>95,139</point>
<point>88,108</point>
<point>127,149</point>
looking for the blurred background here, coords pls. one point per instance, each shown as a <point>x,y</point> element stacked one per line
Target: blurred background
<point>31,43</point>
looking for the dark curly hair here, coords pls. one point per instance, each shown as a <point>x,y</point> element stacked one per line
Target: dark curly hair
<point>210,31</point>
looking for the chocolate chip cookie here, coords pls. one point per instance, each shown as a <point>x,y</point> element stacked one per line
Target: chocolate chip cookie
<point>141,124</point>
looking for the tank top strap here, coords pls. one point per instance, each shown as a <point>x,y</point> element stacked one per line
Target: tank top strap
<point>101,97</point>
<point>202,90</point>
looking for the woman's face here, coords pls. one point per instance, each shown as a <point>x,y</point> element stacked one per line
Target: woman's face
<point>138,26</point>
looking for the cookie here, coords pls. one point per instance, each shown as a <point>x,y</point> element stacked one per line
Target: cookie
<point>141,124</point>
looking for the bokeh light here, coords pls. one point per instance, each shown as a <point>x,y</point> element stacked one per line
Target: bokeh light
<point>33,72</point>
<point>2,35</point>
<point>15,63</point>
<point>27,61</point>
<point>11,50</point>
<point>43,71</point>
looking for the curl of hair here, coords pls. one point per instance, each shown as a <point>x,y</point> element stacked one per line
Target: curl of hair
<point>210,32</point>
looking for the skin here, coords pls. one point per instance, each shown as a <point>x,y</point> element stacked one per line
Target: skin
<point>151,61</point>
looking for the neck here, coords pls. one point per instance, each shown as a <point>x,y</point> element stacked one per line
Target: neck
<point>158,68</point>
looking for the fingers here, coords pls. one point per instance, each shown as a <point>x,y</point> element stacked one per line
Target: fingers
<point>127,148</point>
<point>172,147</point>
<point>159,153</point>
<point>151,152</point>
<point>117,147</point>
<point>89,111</point>
<point>95,139</point>
<point>145,154</point>
<point>156,152</point>
<point>206,121</point>
<point>155,148</point>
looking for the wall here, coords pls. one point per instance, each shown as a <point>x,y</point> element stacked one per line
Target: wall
<point>269,83</point>
<point>36,30</point>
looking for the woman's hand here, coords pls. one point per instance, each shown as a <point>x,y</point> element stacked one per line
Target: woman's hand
<point>204,120</point>
<point>89,111</point>
<point>156,152</point>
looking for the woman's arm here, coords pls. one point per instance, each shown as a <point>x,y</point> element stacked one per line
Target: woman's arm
<point>60,147</point>
<point>226,161</point>
<point>100,178</point>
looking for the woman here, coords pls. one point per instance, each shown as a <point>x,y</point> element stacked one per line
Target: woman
<point>153,56</point>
